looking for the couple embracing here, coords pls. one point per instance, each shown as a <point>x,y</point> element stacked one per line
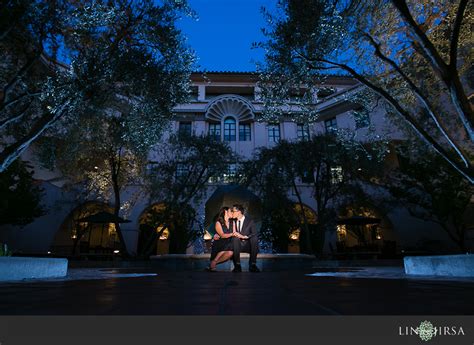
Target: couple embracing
<point>235,233</point>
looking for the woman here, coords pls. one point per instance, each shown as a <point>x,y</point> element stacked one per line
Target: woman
<point>222,248</point>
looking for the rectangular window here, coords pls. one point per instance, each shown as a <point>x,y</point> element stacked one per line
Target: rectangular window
<point>303,131</point>
<point>215,131</point>
<point>274,133</point>
<point>181,170</point>
<point>184,128</point>
<point>336,175</point>
<point>330,125</point>
<point>244,132</point>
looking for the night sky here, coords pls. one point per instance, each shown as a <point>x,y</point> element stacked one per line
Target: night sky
<point>223,34</point>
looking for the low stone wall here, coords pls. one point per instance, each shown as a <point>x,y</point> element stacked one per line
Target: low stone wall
<point>266,262</point>
<point>18,268</point>
<point>440,265</point>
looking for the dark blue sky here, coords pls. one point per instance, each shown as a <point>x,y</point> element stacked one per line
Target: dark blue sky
<point>224,32</point>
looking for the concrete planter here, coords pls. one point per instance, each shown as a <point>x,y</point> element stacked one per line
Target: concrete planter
<point>18,268</point>
<point>440,265</point>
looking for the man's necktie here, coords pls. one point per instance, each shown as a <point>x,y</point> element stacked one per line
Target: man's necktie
<point>238,225</point>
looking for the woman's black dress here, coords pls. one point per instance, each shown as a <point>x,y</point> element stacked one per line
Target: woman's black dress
<point>222,244</point>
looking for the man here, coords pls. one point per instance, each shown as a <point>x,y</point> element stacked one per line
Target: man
<point>249,243</point>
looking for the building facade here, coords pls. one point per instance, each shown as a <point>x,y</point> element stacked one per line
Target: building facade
<point>226,106</point>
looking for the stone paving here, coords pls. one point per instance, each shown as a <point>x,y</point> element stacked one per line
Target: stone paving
<point>317,291</point>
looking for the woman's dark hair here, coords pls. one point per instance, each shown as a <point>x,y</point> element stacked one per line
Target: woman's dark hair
<point>221,215</point>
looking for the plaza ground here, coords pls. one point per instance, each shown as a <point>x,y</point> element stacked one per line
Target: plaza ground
<point>312,291</point>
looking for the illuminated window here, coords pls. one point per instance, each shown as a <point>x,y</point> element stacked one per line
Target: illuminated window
<point>336,175</point>
<point>341,232</point>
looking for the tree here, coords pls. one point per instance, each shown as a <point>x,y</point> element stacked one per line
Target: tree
<point>131,51</point>
<point>21,195</point>
<point>264,176</point>
<point>334,168</point>
<point>129,70</point>
<point>432,191</point>
<point>417,61</point>
<point>178,180</point>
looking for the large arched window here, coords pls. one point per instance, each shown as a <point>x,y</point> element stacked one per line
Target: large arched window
<point>229,129</point>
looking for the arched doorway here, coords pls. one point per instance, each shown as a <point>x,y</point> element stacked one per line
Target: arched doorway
<point>154,236</point>
<point>229,195</point>
<point>302,212</point>
<point>76,238</point>
<point>377,236</point>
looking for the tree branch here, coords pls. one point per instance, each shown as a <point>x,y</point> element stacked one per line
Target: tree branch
<point>453,51</point>
<point>11,152</point>
<point>15,117</point>
<point>444,71</point>
<point>467,173</point>
<point>421,97</point>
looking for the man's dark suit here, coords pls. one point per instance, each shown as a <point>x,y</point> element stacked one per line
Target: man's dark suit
<point>250,245</point>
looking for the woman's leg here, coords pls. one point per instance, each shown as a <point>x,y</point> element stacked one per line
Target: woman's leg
<point>225,256</point>
<point>216,260</point>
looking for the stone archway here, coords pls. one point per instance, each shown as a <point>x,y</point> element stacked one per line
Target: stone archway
<point>229,195</point>
<point>149,226</point>
<point>75,238</point>
<point>370,237</point>
<point>311,218</point>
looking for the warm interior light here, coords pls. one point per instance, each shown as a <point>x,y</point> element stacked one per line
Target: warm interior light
<point>207,236</point>
<point>116,251</point>
<point>165,234</point>
<point>295,235</point>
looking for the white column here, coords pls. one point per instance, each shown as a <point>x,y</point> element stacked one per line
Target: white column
<point>201,92</point>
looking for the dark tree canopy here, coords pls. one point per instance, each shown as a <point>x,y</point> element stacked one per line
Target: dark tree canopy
<point>20,203</point>
<point>414,55</point>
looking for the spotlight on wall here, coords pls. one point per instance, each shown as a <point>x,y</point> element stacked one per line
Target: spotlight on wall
<point>116,251</point>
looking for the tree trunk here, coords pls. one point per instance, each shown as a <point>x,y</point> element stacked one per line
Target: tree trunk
<point>115,171</point>
<point>305,246</point>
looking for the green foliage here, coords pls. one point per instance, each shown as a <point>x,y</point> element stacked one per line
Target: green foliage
<point>420,77</point>
<point>335,168</point>
<point>21,195</point>
<point>179,179</point>
<point>431,190</point>
<point>126,61</point>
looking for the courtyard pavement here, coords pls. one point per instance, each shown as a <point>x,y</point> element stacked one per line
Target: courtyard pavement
<point>317,291</point>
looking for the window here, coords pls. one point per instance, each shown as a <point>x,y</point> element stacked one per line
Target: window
<point>302,131</point>
<point>331,125</point>
<point>184,128</point>
<point>151,168</point>
<point>274,133</point>
<point>244,132</point>
<point>229,129</point>
<point>336,175</point>
<point>230,174</point>
<point>181,170</point>
<point>215,131</point>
